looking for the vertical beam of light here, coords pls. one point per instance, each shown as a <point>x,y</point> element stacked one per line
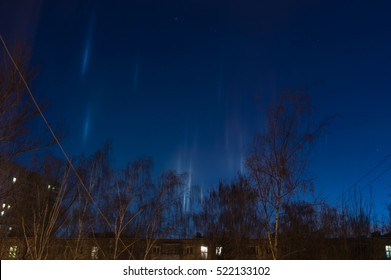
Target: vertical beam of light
<point>201,197</point>
<point>241,153</point>
<point>87,48</point>
<point>86,127</point>
<point>241,163</point>
<point>187,191</point>
<point>86,56</point>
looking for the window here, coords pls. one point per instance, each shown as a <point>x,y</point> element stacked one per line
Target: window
<point>94,252</point>
<point>189,251</point>
<point>156,250</point>
<point>12,252</point>
<point>388,251</point>
<point>14,180</point>
<point>204,252</point>
<point>253,250</point>
<point>219,251</point>
<point>171,249</point>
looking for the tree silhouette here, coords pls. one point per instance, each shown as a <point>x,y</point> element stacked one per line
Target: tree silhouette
<point>16,108</point>
<point>278,157</point>
<point>229,218</point>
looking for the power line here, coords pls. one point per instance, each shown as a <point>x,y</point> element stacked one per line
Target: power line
<point>53,133</point>
<point>369,172</point>
<point>372,181</point>
<point>380,163</point>
<point>366,175</point>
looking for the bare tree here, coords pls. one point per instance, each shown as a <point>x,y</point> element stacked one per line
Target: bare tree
<point>47,217</point>
<point>228,218</point>
<point>163,216</point>
<point>16,108</point>
<point>277,160</point>
<point>387,224</point>
<point>300,233</point>
<point>355,225</point>
<point>33,212</point>
<point>82,211</point>
<point>126,204</point>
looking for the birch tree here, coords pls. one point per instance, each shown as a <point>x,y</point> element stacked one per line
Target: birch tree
<point>278,157</point>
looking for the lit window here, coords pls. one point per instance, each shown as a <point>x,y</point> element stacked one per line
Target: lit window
<point>94,252</point>
<point>9,206</point>
<point>49,187</point>
<point>14,180</point>
<point>3,205</point>
<point>12,253</point>
<point>388,251</point>
<point>189,251</point>
<point>10,228</point>
<point>2,213</point>
<point>204,252</point>
<point>219,251</point>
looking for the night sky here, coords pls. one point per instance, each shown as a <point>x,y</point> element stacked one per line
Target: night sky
<point>183,81</point>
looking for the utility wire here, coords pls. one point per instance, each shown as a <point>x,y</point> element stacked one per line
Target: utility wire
<point>53,133</point>
<point>366,175</point>
<point>380,163</point>
<point>370,183</point>
<point>341,196</point>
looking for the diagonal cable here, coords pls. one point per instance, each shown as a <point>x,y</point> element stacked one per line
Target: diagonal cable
<point>54,135</point>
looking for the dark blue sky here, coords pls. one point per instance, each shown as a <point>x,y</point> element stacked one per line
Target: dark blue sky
<point>181,81</point>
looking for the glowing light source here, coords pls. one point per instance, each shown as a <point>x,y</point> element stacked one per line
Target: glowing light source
<point>86,53</point>
<point>86,56</point>
<point>12,252</point>
<point>94,252</point>
<point>204,252</point>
